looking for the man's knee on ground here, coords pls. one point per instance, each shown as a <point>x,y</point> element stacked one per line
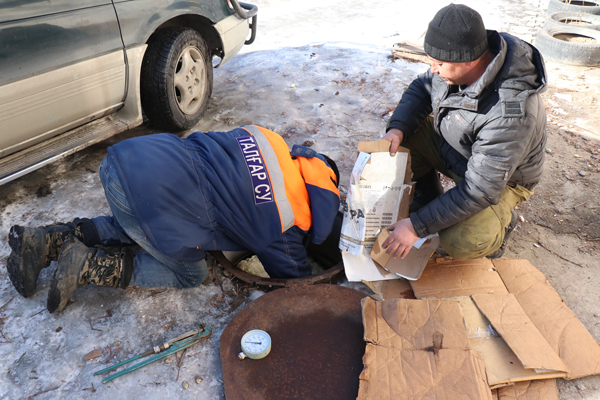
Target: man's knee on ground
<point>194,277</point>
<point>466,243</point>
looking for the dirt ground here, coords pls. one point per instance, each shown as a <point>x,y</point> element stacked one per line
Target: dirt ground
<point>559,228</point>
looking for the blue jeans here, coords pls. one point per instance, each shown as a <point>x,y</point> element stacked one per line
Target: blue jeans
<point>151,268</point>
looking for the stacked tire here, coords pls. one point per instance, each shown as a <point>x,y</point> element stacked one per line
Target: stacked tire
<point>571,34</point>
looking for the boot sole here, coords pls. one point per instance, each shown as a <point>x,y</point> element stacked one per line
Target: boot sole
<point>24,263</point>
<point>66,277</point>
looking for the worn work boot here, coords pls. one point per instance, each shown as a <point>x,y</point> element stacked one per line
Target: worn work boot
<point>507,231</point>
<point>33,249</point>
<point>79,266</point>
<point>427,189</point>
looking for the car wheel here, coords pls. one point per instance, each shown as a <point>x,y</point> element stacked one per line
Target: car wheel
<point>176,79</point>
<point>570,45</point>
<point>589,6</point>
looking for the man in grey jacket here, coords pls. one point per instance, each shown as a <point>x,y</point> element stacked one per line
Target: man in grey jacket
<point>477,117</point>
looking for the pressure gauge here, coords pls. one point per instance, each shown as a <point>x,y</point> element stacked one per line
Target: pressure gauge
<point>256,344</point>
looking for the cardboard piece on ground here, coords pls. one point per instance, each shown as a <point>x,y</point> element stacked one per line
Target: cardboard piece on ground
<point>551,316</point>
<point>502,364</point>
<point>417,349</point>
<point>411,267</point>
<point>532,390</point>
<point>517,330</point>
<point>391,289</point>
<point>449,374</point>
<point>445,277</point>
<point>413,324</point>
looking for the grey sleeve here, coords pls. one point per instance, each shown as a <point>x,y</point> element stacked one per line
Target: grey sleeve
<point>499,149</point>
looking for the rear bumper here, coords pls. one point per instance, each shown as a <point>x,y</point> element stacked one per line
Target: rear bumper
<point>233,31</point>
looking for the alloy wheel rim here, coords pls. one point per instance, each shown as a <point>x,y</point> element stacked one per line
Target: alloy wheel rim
<point>189,80</point>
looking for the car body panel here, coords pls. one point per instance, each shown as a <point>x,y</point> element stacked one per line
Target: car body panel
<point>12,10</point>
<point>233,31</point>
<point>129,116</point>
<point>50,74</point>
<point>131,113</point>
<point>70,69</point>
<point>45,42</point>
<point>137,29</point>
<point>59,100</point>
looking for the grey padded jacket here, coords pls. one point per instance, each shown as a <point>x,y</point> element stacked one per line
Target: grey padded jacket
<point>491,133</point>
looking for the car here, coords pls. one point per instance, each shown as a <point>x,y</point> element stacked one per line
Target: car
<point>75,72</point>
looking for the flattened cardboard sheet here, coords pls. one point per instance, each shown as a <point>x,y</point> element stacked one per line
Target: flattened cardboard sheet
<point>555,321</point>
<point>414,324</point>
<point>409,354</point>
<point>390,289</point>
<point>446,277</point>
<point>448,374</point>
<point>412,266</point>
<point>531,390</point>
<point>502,365</point>
<point>509,319</point>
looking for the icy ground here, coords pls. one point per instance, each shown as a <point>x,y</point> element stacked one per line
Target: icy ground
<point>319,71</point>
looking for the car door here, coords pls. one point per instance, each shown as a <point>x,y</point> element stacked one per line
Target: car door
<point>61,65</point>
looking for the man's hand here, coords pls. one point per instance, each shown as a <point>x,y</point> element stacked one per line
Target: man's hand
<point>401,239</point>
<point>395,136</point>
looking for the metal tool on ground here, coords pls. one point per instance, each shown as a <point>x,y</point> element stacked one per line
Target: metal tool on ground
<point>173,346</point>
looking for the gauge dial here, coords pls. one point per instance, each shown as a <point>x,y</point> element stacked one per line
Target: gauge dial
<point>256,344</point>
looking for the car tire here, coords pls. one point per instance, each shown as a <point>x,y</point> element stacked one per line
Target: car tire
<point>176,79</point>
<point>552,47</point>
<point>589,6</point>
<point>573,19</point>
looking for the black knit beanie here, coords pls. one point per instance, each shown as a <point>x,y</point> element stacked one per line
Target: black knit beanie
<point>456,34</point>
